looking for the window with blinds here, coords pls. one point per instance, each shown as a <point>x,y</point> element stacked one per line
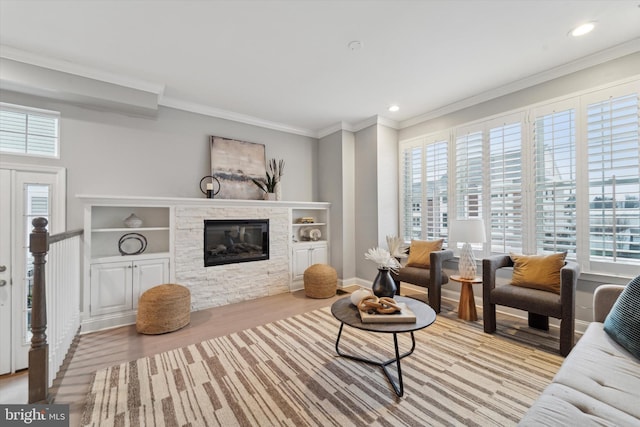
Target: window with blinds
<point>505,187</point>
<point>614,186</point>
<point>412,201</point>
<point>555,182</point>
<point>469,175</point>
<point>28,132</point>
<point>436,159</point>
<point>425,191</point>
<point>567,180</point>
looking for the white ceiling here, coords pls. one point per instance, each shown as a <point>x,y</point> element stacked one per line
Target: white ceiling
<point>287,64</point>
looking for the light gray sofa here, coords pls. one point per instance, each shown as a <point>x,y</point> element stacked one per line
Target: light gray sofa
<point>597,384</point>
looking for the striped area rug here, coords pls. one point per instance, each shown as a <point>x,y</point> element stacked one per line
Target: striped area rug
<point>287,373</point>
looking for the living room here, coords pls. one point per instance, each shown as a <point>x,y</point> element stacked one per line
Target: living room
<point>127,133</point>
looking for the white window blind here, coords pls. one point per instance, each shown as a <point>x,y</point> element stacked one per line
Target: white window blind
<point>425,196</point>
<point>555,182</point>
<point>469,175</point>
<point>436,160</point>
<point>412,203</point>
<point>614,185</point>
<point>28,132</point>
<point>505,192</point>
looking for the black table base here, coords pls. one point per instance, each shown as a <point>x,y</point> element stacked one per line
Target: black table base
<point>399,387</point>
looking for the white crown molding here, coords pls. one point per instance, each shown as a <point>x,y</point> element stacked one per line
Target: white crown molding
<point>233,116</point>
<point>332,129</point>
<point>356,127</point>
<point>384,121</point>
<point>30,58</point>
<point>627,48</point>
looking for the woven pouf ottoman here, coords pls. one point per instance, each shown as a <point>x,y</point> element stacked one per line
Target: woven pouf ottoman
<point>163,308</point>
<point>320,281</point>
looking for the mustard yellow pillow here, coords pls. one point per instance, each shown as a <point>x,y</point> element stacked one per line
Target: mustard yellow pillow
<point>538,271</point>
<point>419,252</point>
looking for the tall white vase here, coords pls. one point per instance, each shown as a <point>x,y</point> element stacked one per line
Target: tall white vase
<point>278,191</point>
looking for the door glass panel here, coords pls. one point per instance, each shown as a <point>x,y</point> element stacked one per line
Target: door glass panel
<point>37,199</point>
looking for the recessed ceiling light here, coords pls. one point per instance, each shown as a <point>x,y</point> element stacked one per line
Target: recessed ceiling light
<point>583,29</point>
<point>394,108</point>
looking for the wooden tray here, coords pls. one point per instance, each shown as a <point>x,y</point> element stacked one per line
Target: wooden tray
<point>405,316</point>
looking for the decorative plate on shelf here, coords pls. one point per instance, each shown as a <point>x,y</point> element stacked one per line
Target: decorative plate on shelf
<point>132,244</point>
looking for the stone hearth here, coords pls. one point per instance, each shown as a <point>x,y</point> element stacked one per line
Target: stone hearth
<point>226,284</point>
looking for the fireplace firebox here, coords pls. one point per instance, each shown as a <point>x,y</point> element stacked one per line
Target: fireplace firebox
<point>228,241</point>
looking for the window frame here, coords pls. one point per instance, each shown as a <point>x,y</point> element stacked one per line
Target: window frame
<point>422,143</point>
<point>38,112</point>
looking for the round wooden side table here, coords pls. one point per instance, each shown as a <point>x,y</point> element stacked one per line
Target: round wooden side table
<point>467,304</point>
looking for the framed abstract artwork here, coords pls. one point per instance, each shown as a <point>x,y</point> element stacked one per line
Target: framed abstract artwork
<point>235,163</point>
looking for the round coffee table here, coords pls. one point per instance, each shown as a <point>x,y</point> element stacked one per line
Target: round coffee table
<point>348,314</point>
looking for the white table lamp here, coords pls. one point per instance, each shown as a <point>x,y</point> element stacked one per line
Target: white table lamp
<point>467,231</point>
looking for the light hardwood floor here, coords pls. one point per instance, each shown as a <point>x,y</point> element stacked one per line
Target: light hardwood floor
<point>98,350</point>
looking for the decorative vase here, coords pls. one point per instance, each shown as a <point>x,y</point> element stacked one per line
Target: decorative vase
<point>278,191</point>
<point>383,285</point>
<point>467,262</point>
<point>132,221</point>
<point>270,196</point>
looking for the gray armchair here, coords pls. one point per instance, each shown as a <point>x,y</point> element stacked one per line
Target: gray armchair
<point>539,304</point>
<point>431,278</point>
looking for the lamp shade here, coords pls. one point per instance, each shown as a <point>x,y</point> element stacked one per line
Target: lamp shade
<point>467,231</point>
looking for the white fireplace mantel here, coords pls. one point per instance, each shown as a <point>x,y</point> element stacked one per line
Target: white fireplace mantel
<point>192,201</point>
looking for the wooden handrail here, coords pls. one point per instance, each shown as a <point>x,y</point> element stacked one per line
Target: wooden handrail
<point>39,243</point>
<point>55,238</point>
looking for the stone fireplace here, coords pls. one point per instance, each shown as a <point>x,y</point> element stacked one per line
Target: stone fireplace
<point>227,283</point>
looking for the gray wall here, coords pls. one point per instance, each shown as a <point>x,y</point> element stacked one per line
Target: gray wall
<point>107,153</point>
<point>366,199</point>
<point>611,71</point>
<point>388,195</point>
<point>336,152</point>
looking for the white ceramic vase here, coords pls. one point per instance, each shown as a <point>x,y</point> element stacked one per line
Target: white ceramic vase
<point>278,191</point>
<point>132,221</point>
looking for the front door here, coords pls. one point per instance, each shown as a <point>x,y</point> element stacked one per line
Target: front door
<point>24,195</point>
<point>5,272</point>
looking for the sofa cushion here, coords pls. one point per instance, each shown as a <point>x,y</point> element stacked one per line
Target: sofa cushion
<point>603,370</point>
<point>420,250</point>
<point>538,271</point>
<point>560,405</point>
<point>623,321</point>
<point>418,276</point>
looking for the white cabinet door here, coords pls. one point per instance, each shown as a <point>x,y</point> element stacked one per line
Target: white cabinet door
<point>300,261</point>
<point>305,255</point>
<point>111,287</point>
<point>318,254</point>
<point>147,274</point>
<point>116,286</point>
